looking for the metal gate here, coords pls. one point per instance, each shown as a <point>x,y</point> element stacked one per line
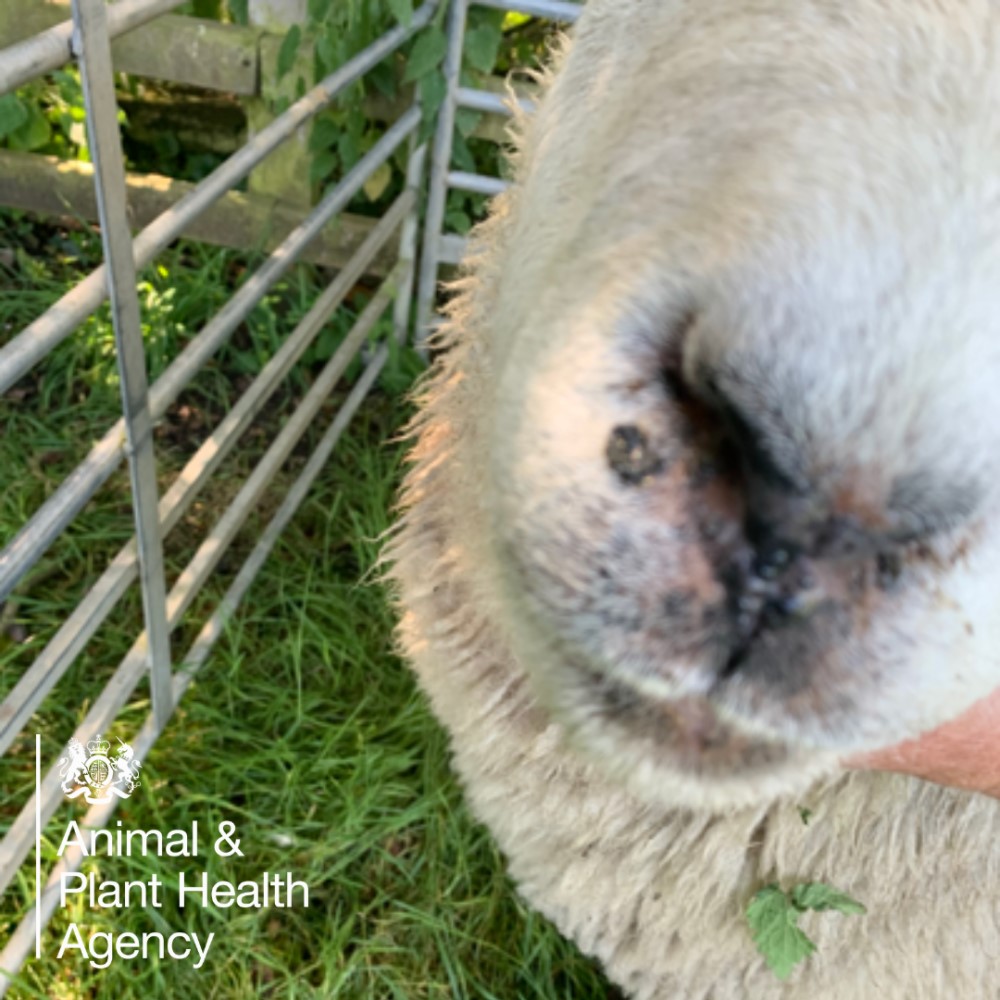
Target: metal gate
<point>87,40</point>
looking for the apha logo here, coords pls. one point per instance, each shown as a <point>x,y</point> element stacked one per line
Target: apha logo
<point>93,773</point>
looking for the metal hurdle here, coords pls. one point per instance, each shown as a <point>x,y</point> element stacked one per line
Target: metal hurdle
<point>441,247</point>
<point>87,40</point>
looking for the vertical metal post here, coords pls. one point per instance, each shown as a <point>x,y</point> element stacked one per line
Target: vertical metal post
<point>440,161</point>
<point>92,48</point>
<point>408,242</point>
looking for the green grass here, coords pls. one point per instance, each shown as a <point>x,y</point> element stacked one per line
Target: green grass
<point>303,729</point>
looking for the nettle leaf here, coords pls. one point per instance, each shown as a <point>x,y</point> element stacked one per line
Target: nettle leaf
<point>482,45</point>
<point>13,114</point>
<point>774,927</point>
<point>426,55</point>
<point>402,11</point>
<point>773,916</point>
<point>820,896</point>
<point>289,50</point>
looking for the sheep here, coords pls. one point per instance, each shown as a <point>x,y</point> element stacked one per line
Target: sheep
<point>704,486</point>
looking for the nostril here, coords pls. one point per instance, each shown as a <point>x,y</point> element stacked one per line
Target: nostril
<point>772,560</point>
<point>675,384</point>
<point>772,553</point>
<point>767,602</point>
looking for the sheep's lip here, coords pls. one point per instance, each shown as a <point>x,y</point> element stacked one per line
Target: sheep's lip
<point>693,729</point>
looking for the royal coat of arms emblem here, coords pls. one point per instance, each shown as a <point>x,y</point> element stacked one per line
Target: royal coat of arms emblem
<point>93,772</point>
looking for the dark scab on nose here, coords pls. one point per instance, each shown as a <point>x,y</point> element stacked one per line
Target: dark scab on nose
<point>631,456</point>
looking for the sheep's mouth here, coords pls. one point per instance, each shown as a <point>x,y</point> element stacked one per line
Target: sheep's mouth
<point>690,735</point>
<point>691,727</point>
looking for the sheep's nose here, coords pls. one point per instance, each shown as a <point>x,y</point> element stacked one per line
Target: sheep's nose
<point>785,526</point>
<point>776,586</point>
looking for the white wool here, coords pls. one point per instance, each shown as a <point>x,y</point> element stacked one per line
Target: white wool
<point>623,856</point>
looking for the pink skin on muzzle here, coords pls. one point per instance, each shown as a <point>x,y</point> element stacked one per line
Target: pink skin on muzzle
<point>963,753</point>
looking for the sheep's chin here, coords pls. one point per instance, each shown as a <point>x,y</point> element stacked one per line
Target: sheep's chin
<point>684,751</point>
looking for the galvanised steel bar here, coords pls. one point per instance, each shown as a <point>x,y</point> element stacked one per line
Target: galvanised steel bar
<point>451,248</point>
<point>50,519</point>
<point>51,49</point>
<point>93,50</point>
<point>87,616</point>
<point>554,10</point>
<point>438,246</point>
<point>58,322</point>
<point>403,307</point>
<point>21,941</point>
<point>478,183</point>
<point>440,162</point>
<point>488,102</point>
<point>19,838</point>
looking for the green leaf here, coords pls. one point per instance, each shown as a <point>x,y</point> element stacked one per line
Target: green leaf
<point>426,55</point>
<point>327,54</point>
<point>467,120</point>
<point>349,147</point>
<point>13,114</point>
<point>327,342</point>
<point>289,50</point>
<point>238,11</point>
<point>773,924</point>
<point>481,47</point>
<point>383,78</point>
<point>402,11</point>
<point>485,15</point>
<point>402,368</point>
<point>820,896</point>
<point>461,154</point>
<point>459,221</point>
<point>325,134</point>
<point>376,185</point>
<point>34,133</point>
<point>322,165</point>
<point>805,815</point>
<point>432,93</point>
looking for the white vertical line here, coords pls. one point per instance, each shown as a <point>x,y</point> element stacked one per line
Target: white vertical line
<point>38,845</point>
